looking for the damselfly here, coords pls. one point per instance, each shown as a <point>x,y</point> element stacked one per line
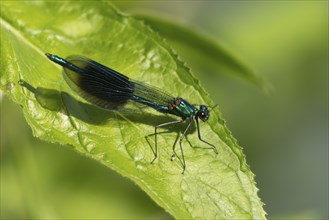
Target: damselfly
<point>111,90</point>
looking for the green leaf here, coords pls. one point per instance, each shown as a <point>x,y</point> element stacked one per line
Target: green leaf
<point>213,186</point>
<point>198,47</point>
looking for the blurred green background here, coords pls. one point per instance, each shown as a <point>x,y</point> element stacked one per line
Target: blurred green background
<point>284,135</point>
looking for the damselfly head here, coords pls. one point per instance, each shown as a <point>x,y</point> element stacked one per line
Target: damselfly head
<point>203,113</point>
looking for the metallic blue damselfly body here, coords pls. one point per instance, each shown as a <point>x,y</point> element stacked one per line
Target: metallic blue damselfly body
<point>111,90</point>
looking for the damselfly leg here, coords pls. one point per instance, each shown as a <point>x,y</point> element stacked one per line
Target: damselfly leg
<point>199,135</point>
<point>155,152</point>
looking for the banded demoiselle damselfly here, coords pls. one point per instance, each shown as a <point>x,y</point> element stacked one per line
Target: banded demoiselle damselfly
<point>111,90</point>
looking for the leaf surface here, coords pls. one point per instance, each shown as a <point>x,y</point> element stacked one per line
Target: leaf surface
<point>213,186</point>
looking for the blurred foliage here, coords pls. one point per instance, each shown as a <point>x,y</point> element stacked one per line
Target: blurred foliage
<point>196,47</point>
<point>287,144</point>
